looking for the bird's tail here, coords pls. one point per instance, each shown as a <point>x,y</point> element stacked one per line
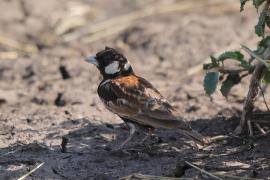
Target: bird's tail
<point>197,137</point>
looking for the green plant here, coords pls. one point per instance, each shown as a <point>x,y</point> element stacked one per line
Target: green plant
<point>256,64</point>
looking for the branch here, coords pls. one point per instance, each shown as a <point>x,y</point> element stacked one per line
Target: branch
<point>203,171</point>
<point>29,173</point>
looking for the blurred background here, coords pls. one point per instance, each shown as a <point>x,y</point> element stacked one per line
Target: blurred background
<point>48,91</point>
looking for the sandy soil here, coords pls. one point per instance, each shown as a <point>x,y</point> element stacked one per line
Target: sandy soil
<point>48,93</point>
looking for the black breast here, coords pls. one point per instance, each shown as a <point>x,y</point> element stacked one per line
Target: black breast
<point>105,92</point>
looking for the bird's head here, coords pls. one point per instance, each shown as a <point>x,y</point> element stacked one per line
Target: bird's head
<point>111,63</point>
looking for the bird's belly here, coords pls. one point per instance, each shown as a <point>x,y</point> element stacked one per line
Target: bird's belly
<point>122,111</point>
<point>125,112</point>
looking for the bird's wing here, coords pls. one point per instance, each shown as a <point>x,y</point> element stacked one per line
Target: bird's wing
<point>138,100</point>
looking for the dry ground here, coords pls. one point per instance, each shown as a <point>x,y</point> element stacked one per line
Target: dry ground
<point>48,92</point>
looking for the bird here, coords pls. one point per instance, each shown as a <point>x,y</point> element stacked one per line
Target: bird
<point>134,99</point>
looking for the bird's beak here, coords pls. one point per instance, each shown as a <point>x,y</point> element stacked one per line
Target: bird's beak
<point>92,60</point>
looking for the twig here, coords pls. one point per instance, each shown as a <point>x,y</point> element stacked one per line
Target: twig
<point>203,171</point>
<point>139,176</point>
<point>260,128</point>
<point>231,71</point>
<point>257,57</point>
<point>30,172</point>
<point>219,138</point>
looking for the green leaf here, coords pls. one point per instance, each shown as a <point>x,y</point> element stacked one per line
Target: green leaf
<point>266,77</point>
<point>231,80</point>
<point>235,55</point>
<point>260,27</point>
<point>214,63</point>
<point>242,2</point>
<point>226,88</point>
<point>210,82</point>
<point>257,3</point>
<point>214,60</point>
<point>231,55</point>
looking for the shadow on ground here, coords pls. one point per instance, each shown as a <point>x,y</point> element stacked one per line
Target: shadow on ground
<point>90,154</point>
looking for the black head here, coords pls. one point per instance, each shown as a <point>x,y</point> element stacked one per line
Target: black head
<point>110,63</point>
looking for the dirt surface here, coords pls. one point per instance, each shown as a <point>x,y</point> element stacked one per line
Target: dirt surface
<point>48,93</point>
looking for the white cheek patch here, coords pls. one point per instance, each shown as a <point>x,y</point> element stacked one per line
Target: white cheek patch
<point>126,66</point>
<point>112,68</point>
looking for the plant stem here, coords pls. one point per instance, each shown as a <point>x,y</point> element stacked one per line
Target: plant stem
<point>252,92</point>
<point>231,71</point>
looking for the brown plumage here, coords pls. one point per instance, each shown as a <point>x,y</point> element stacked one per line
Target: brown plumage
<point>134,99</point>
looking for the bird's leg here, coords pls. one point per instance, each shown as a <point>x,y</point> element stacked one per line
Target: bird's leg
<point>149,134</point>
<point>132,130</point>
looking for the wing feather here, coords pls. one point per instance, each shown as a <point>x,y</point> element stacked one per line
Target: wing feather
<point>138,100</point>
